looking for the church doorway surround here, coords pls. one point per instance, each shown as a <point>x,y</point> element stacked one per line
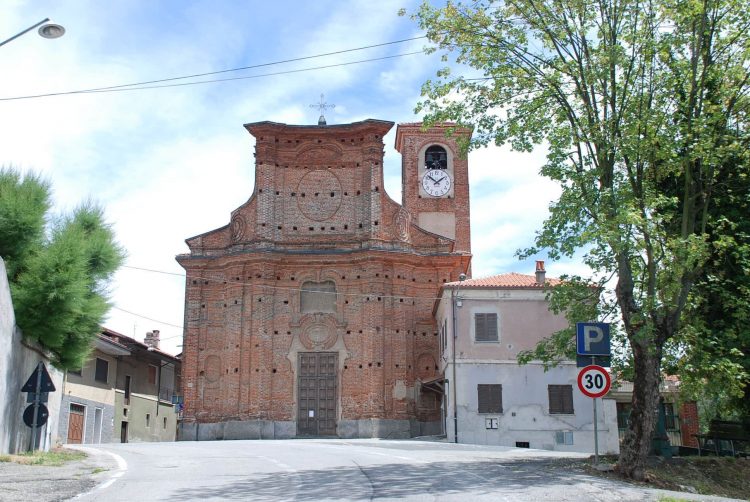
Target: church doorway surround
<point>316,384</point>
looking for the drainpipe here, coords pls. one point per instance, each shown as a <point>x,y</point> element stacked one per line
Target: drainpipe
<point>454,301</point>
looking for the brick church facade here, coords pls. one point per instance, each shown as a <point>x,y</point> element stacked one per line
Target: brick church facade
<point>310,313</point>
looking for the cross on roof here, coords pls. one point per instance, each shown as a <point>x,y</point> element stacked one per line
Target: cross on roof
<point>322,107</point>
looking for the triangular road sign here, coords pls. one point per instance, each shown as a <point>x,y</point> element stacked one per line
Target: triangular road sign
<point>47,385</point>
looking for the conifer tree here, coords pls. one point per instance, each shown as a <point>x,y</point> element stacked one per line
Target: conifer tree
<point>58,268</point>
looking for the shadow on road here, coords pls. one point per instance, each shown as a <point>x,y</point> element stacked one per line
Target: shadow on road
<point>393,481</point>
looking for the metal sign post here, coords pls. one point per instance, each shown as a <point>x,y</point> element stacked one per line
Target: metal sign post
<point>596,436</point>
<point>594,381</point>
<point>36,414</point>
<point>596,426</point>
<point>37,391</point>
<point>592,340</point>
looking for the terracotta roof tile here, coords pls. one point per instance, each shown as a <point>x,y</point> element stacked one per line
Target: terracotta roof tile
<point>509,280</point>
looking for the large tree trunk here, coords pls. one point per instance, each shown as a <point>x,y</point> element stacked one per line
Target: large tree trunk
<point>637,442</point>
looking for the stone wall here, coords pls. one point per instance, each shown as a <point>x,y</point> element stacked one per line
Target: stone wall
<point>18,359</point>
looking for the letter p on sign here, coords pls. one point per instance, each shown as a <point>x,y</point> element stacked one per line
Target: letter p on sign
<point>592,334</point>
<point>592,338</point>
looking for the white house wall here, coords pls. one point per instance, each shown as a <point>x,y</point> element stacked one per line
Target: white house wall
<point>525,416</point>
<point>523,320</point>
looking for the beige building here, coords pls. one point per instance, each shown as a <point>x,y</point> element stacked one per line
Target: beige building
<point>489,397</point>
<point>88,396</point>
<point>145,385</point>
<point>123,393</point>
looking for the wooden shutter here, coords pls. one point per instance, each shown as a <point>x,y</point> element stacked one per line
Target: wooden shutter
<point>560,399</point>
<point>489,398</point>
<point>485,327</point>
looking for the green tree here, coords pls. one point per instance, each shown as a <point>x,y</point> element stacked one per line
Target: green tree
<point>712,355</point>
<point>58,270</point>
<point>638,103</point>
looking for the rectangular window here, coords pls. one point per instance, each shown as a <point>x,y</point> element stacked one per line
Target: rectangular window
<point>318,297</point>
<point>560,399</point>
<point>102,370</point>
<point>445,335</point>
<point>151,374</point>
<point>485,327</point>
<point>165,422</point>
<point>127,389</point>
<point>623,415</point>
<point>148,419</point>
<point>564,437</point>
<point>669,417</point>
<point>490,398</point>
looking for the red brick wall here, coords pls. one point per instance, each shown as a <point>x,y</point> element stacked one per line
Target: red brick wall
<point>410,141</point>
<point>689,424</point>
<point>318,212</point>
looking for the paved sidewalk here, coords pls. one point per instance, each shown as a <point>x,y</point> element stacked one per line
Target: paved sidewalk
<point>40,483</point>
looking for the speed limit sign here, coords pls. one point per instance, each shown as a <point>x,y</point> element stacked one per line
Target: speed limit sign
<point>594,381</point>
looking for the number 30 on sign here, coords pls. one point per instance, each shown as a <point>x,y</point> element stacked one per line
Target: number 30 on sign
<point>594,381</point>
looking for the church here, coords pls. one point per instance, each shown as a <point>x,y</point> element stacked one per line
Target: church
<point>310,314</point>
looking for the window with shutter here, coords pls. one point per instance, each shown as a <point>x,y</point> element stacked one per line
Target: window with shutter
<point>490,398</point>
<point>560,399</point>
<point>485,327</point>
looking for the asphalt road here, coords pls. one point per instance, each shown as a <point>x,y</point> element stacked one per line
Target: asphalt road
<point>313,470</point>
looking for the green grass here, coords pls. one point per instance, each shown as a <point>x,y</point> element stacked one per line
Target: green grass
<point>54,458</point>
<point>98,470</point>
<point>672,499</point>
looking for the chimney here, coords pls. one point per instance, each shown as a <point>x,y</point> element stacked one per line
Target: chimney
<point>152,339</point>
<point>540,272</point>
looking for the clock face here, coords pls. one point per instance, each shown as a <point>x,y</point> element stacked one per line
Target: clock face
<point>436,182</point>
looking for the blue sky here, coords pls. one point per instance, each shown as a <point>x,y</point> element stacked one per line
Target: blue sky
<point>171,163</point>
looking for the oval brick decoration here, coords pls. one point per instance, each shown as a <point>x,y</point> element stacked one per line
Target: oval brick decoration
<point>402,221</point>
<point>318,336</point>
<point>238,228</point>
<point>213,368</point>
<point>322,195</point>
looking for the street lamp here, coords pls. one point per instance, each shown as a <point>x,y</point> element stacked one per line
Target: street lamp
<point>46,30</point>
<point>454,304</point>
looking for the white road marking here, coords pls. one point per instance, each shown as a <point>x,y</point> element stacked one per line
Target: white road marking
<point>122,467</point>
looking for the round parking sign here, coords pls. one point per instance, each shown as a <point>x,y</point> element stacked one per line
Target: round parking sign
<point>594,381</point>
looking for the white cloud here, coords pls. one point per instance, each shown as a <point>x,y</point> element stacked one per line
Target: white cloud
<point>171,163</point>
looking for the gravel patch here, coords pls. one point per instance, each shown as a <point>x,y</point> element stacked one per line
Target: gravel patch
<point>40,483</point>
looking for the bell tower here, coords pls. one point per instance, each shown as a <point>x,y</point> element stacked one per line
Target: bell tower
<point>435,181</point>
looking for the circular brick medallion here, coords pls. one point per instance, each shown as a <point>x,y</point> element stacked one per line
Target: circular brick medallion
<point>318,336</point>
<point>322,195</point>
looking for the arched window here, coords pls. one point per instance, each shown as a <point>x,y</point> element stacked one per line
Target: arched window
<point>436,158</point>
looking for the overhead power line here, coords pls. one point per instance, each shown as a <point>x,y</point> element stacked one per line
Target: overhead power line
<point>150,319</point>
<point>146,83</point>
<point>291,289</point>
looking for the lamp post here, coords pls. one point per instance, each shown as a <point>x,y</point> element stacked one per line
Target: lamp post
<point>454,305</point>
<point>46,30</point>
